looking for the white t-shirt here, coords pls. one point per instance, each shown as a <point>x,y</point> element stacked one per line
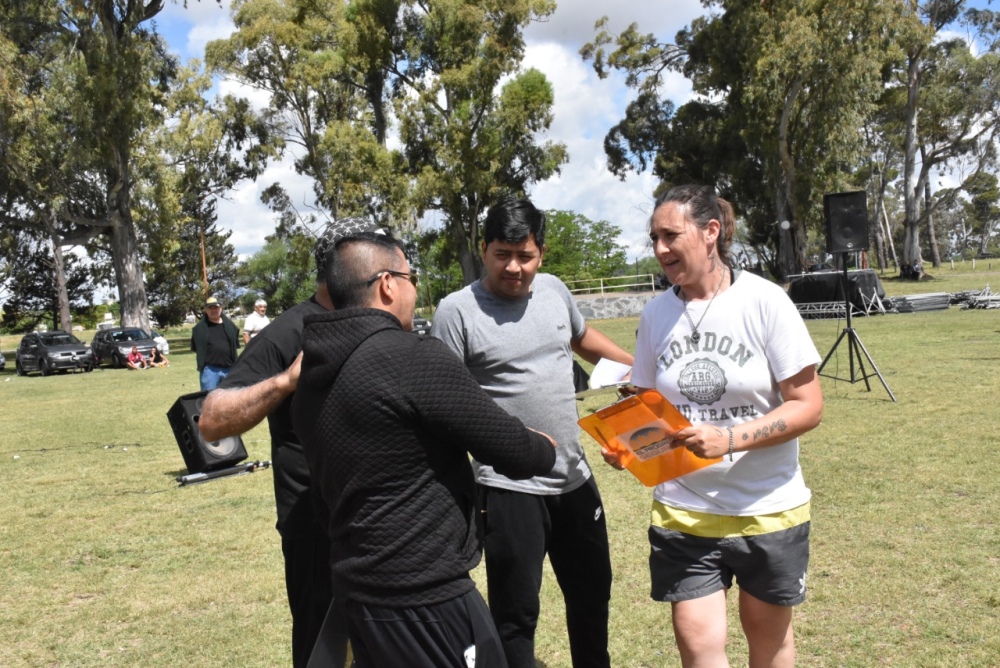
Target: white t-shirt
<point>254,323</point>
<point>752,336</point>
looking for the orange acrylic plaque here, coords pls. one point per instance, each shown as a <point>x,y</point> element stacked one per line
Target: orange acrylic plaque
<point>641,429</point>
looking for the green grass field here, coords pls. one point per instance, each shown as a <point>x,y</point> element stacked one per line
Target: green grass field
<point>107,562</point>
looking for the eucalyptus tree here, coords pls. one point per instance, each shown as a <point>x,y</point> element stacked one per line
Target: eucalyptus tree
<point>442,78</point>
<point>978,219</point>
<point>320,100</point>
<point>203,151</point>
<point>27,275</point>
<point>40,181</point>
<point>283,272</point>
<point>578,248</point>
<point>115,72</point>
<point>951,110</point>
<point>471,119</point>
<point>782,88</point>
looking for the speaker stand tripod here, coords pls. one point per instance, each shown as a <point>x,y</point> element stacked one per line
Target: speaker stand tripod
<point>855,348</point>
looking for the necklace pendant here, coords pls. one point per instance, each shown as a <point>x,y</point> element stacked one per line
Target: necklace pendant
<point>696,336</point>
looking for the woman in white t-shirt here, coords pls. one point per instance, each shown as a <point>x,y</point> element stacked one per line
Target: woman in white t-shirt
<point>732,353</point>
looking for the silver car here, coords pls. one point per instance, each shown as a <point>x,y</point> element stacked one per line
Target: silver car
<point>46,352</point>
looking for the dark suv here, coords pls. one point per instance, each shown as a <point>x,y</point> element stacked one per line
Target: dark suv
<point>112,346</point>
<point>46,352</point>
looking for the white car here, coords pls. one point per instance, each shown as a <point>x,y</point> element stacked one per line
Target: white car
<point>161,342</point>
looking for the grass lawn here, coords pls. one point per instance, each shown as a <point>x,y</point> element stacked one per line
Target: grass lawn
<point>107,562</point>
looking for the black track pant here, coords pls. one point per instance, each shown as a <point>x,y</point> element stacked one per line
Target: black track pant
<point>520,529</point>
<point>455,634</point>
<point>307,580</point>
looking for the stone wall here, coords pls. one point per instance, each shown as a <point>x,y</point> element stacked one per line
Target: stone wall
<point>615,305</point>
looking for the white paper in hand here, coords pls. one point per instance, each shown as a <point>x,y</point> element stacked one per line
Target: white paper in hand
<point>607,372</point>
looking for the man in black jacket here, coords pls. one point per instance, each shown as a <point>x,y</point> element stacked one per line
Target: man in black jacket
<point>387,421</point>
<point>261,385</point>
<point>214,341</point>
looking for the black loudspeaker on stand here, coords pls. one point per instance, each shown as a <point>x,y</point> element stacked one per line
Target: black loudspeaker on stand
<point>847,231</point>
<point>846,222</point>
<point>201,455</point>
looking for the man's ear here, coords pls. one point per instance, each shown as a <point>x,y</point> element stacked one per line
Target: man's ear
<point>482,248</point>
<point>385,292</point>
<point>541,254</point>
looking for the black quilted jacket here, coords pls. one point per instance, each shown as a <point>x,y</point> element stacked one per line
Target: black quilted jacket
<point>387,421</point>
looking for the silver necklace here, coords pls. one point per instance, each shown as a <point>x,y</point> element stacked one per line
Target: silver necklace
<point>696,335</point>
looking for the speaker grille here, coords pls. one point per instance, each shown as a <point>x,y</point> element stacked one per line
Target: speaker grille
<point>224,447</point>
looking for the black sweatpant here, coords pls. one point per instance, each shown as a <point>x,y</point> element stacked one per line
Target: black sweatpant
<point>519,529</point>
<point>454,634</point>
<point>307,581</point>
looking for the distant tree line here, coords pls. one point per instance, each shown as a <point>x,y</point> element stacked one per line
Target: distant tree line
<point>112,156</point>
<point>798,98</point>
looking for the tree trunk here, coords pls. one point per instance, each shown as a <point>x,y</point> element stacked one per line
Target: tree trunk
<point>125,253</point>
<point>985,237</point>
<point>881,256</point>
<point>463,226</point>
<point>62,295</point>
<point>911,266</point>
<point>792,241</point>
<point>932,234</point>
<point>888,235</point>
<point>469,258</point>
<point>118,31</point>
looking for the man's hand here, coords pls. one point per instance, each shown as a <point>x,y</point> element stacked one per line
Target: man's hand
<point>551,440</point>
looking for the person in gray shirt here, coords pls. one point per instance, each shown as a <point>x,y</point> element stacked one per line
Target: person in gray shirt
<point>517,330</point>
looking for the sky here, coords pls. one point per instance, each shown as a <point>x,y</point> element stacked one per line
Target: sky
<point>585,109</point>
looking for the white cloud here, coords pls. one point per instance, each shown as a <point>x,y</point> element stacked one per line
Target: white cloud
<point>586,107</point>
<point>204,32</point>
<point>248,218</point>
<point>572,24</point>
<point>258,98</point>
<point>196,12</point>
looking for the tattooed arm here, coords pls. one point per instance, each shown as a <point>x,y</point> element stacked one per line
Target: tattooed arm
<point>801,411</point>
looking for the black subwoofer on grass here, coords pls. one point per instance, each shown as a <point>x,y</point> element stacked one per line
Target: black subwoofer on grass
<point>201,455</point>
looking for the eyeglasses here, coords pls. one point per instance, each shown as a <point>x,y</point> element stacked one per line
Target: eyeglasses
<point>412,276</point>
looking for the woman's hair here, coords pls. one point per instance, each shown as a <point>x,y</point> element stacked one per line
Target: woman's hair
<point>701,204</point>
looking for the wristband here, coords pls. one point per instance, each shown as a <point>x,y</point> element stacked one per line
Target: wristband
<point>730,429</point>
